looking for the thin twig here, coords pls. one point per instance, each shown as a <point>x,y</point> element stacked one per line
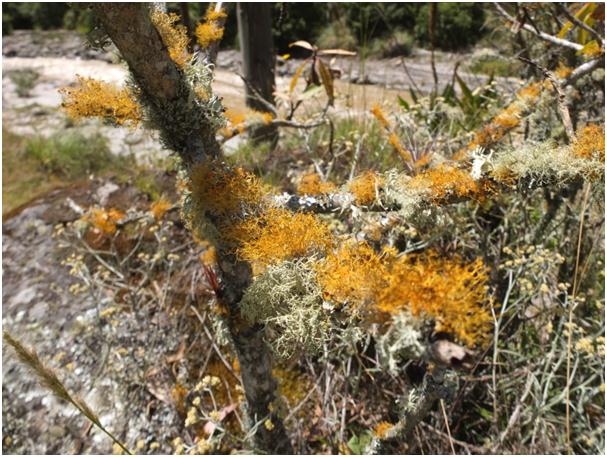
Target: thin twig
<point>542,35</point>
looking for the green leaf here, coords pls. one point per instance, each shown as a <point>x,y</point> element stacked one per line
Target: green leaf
<point>485,413</point>
<point>327,80</point>
<point>402,102</point>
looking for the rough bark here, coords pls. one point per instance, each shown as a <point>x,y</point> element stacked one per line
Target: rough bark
<point>167,96</point>
<point>257,47</point>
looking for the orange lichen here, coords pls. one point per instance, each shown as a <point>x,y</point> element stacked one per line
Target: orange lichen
<point>236,123</point>
<point>365,187</point>
<point>531,92</point>
<point>382,429</point>
<point>224,192</point>
<point>395,142</point>
<point>94,98</point>
<point>310,184</point>
<point>446,180</point>
<point>174,36</point>
<point>278,234</point>
<point>379,115</point>
<point>210,30</point>
<point>351,275</point>
<point>591,49</point>
<point>450,292</point>
<point>105,220</point>
<point>293,387</point>
<point>209,256</point>
<point>563,71</point>
<point>590,142</point>
<point>160,207</point>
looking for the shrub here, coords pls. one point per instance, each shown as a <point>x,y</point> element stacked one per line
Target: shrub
<point>458,25</point>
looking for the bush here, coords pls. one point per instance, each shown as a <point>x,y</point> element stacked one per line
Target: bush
<point>72,155</point>
<point>25,80</point>
<point>337,35</point>
<point>399,44</point>
<point>458,25</point>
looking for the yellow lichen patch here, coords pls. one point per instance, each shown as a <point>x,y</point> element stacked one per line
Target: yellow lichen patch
<point>210,31</point>
<point>451,292</point>
<point>224,192</point>
<point>395,142</point>
<point>531,92</point>
<point>160,207</point>
<point>563,71</point>
<point>382,429</point>
<point>94,98</point>
<point>105,220</point>
<point>351,275</point>
<point>379,115</point>
<point>365,187</point>
<point>276,235</point>
<point>590,142</point>
<point>591,49</point>
<point>311,184</point>
<point>443,181</point>
<point>294,387</point>
<point>236,122</point>
<point>174,36</point>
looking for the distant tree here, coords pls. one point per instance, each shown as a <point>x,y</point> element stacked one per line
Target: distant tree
<point>258,61</point>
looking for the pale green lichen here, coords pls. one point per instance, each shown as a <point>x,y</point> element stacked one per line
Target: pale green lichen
<point>402,341</point>
<point>398,191</point>
<point>288,301</point>
<point>542,163</point>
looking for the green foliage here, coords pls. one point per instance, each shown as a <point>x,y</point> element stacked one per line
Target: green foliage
<point>400,43</point>
<point>459,25</point>
<point>25,80</point>
<point>72,155</point>
<point>337,35</point>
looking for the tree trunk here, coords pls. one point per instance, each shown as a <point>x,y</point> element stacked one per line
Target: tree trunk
<point>185,127</point>
<point>257,47</point>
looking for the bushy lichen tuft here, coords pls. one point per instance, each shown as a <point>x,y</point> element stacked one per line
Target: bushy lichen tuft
<point>401,342</point>
<point>543,163</point>
<point>288,301</point>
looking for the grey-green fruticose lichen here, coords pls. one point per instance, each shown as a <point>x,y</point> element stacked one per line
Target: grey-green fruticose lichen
<point>288,301</point>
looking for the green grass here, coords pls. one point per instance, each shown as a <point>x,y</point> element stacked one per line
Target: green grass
<point>495,66</point>
<point>25,80</point>
<point>34,166</point>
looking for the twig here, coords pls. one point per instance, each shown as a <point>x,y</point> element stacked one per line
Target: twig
<point>564,111</point>
<point>570,319</point>
<point>442,407</point>
<point>579,23</point>
<point>542,35</point>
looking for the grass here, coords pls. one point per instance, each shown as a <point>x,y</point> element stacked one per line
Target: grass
<point>495,66</point>
<point>35,166</point>
<point>25,80</point>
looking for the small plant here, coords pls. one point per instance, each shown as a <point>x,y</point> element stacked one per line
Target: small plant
<point>25,80</point>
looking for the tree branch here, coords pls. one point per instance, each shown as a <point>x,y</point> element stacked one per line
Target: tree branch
<point>542,35</point>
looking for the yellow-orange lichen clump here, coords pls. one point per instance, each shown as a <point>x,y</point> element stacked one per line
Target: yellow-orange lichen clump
<point>590,142</point>
<point>160,207</point>
<point>174,36</point>
<point>365,187</point>
<point>224,192</point>
<point>210,31</point>
<point>278,234</point>
<point>94,98</point>
<point>310,184</point>
<point>105,220</point>
<point>382,429</point>
<point>449,291</point>
<point>444,180</point>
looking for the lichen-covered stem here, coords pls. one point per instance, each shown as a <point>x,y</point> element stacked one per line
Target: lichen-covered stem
<point>186,128</point>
